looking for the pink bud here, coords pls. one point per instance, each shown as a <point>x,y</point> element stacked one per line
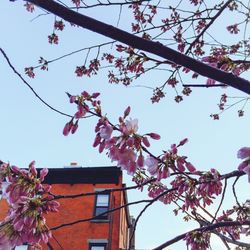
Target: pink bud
<point>130,142</point>
<point>140,161</point>
<point>97,140</point>
<point>190,167</point>
<point>85,94</point>
<point>210,81</point>
<point>66,129</point>
<point>32,168</point>
<point>94,95</point>
<point>120,120</point>
<point>101,147</point>
<point>205,59</point>
<point>154,136</point>
<point>145,141</point>
<point>127,111</point>
<point>182,142</point>
<point>180,165</point>
<point>43,173</point>
<point>72,99</point>
<point>74,127</point>
<point>174,149</point>
<point>15,169</point>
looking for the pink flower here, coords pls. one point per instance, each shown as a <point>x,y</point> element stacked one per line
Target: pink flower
<point>152,165</point>
<point>106,131</point>
<point>244,153</point>
<point>182,142</point>
<point>131,127</point>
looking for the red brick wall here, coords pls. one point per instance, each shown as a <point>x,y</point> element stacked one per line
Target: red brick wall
<point>76,237</point>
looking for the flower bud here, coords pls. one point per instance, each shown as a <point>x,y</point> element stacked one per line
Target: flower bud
<point>154,136</point>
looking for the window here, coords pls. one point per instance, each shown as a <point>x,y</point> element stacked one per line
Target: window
<point>101,206</point>
<point>97,246</point>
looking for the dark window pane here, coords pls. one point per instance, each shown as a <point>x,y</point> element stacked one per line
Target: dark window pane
<point>100,210</point>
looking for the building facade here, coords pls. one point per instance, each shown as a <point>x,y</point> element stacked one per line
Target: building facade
<point>81,223</point>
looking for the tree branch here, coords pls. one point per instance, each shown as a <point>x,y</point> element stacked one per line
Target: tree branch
<point>72,196</point>
<point>155,48</point>
<point>203,229</point>
<point>208,25</point>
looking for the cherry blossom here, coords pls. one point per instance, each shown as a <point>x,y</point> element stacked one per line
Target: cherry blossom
<point>29,201</point>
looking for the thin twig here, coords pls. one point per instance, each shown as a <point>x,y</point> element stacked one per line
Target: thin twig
<point>222,199</point>
<point>29,86</point>
<point>56,197</point>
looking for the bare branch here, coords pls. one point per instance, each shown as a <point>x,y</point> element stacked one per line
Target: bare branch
<point>207,26</point>
<point>56,197</point>
<point>29,86</point>
<point>110,4</point>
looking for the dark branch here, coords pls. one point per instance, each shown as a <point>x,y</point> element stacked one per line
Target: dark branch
<point>56,197</point>
<point>110,4</point>
<point>115,209</point>
<point>145,45</point>
<point>203,229</point>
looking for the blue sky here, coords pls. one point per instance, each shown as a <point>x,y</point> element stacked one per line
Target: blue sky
<point>31,131</point>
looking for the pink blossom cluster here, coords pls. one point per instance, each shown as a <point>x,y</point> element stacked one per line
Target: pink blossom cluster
<point>194,191</point>
<point>170,161</point>
<point>82,109</point>
<point>53,38</point>
<point>92,69</point>
<point>232,231</point>
<point>240,213</point>
<point>28,203</point>
<point>209,185</point>
<point>59,25</point>
<point>198,240</point>
<point>142,16</point>
<point>126,148</point>
<point>219,58</point>
<point>129,149</point>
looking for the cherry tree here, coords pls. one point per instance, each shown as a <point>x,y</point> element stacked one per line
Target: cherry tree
<point>174,38</point>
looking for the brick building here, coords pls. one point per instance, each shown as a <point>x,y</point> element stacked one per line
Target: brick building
<point>100,231</point>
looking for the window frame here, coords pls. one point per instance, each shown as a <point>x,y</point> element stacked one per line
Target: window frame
<point>105,216</point>
<point>98,244</point>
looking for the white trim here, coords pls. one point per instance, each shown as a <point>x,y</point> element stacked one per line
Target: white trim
<point>98,241</point>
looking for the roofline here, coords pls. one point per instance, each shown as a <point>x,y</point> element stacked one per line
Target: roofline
<point>87,175</point>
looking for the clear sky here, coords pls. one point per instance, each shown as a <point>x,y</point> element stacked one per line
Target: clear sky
<point>30,131</point>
